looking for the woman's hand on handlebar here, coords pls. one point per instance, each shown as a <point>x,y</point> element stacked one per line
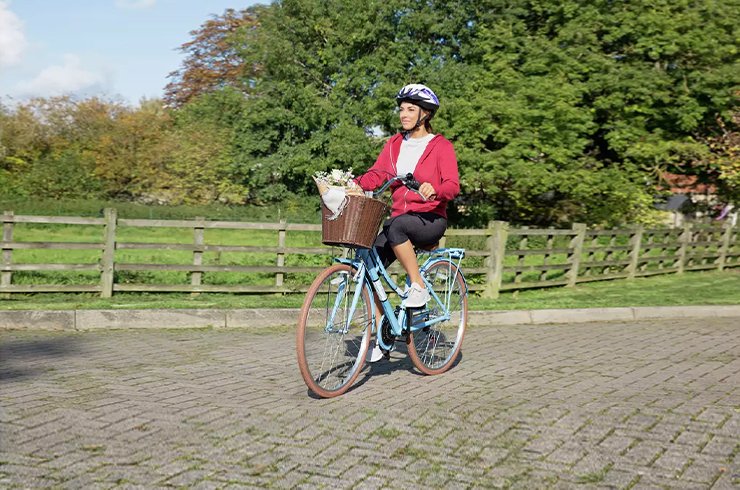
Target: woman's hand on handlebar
<point>426,190</point>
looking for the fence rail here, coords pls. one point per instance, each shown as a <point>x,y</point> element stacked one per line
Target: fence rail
<point>499,258</point>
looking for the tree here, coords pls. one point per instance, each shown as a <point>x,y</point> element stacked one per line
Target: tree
<point>202,167</point>
<point>130,158</point>
<point>212,62</point>
<point>302,113</point>
<point>560,110</point>
<point>723,158</point>
<point>48,146</point>
<point>572,111</point>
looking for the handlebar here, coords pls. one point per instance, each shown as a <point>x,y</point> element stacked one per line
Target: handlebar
<point>408,181</point>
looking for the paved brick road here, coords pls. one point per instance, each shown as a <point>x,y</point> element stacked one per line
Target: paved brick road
<point>611,405</point>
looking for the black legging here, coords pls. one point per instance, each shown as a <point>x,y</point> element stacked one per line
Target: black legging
<point>422,229</point>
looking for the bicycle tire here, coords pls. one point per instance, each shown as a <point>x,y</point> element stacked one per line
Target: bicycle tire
<point>433,350</point>
<point>330,358</point>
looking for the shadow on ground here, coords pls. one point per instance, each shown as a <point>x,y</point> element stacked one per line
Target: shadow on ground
<point>19,359</point>
<point>376,371</point>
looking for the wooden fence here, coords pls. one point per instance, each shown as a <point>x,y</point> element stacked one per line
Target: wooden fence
<point>499,258</point>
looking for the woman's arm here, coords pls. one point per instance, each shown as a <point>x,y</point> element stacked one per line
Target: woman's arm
<point>379,173</point>
<point>449,177</point>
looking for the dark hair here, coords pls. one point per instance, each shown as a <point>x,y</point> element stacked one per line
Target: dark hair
<point>428,120</point>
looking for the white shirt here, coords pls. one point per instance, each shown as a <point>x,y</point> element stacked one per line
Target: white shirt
<point>411,151</point>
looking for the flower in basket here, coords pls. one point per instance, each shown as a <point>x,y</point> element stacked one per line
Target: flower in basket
<point>334,186</point>
<point>335,178</point>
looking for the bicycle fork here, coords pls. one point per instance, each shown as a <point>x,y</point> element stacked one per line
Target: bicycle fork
<point>341,297</point>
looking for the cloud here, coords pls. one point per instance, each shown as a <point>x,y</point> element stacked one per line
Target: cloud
<point>69,77</point>
<point>135,4</point>
<point>12,38</point>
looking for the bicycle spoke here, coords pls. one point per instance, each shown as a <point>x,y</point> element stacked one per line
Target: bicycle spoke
<point>333,336</point>
<point>434,348</point>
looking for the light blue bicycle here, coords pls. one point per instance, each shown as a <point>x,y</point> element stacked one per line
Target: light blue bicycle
<point>338,316</point>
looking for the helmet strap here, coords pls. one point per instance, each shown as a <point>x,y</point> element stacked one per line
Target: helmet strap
<point>418,124</point>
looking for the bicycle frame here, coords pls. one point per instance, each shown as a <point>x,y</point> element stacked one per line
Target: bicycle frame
<point>339,315</point>
<point>370,271</point>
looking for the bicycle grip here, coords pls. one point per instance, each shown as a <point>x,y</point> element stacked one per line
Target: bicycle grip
<point>411,182</point>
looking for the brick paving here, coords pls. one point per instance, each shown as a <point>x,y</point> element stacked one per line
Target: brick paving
<point>638,404</point>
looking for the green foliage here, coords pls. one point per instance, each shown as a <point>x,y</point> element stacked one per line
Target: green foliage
<point>574,111</point>
<point>559,110</point>
<point>67,175</point>
<point>303,114</point>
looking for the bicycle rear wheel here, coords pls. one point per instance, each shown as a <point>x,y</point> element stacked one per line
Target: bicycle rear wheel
<point>332,338</point>
<point>434,349</point>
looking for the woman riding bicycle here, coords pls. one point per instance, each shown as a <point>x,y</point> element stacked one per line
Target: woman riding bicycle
<point>418,219</point>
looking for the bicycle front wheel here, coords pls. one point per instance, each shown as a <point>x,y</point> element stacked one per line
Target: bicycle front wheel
<point>333,336</point>
<point>434,349</point>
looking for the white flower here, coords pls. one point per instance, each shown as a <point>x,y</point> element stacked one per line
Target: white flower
<point>335,177</point>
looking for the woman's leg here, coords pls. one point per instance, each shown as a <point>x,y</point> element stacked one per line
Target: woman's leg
<point>408,230</point>
<point>416,295</point>
<point>407,257</point>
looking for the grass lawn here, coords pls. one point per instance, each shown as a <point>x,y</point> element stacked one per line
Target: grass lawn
<point>671,289</point>
<point>691,288</point>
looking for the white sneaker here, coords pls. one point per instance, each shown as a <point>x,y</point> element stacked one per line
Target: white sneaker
<point>416,296</point>
<point>375,354</point>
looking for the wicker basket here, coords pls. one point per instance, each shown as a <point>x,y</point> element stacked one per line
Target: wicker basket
<point>357,225</point>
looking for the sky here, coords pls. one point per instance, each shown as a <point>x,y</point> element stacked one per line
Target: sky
<point>118,49</point>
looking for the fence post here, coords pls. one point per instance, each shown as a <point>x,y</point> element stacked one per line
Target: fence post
<point>683,250</point>
<point>279,277</point>
<point>636,242</point>
<point>725,247</point>
<point>107,262</point>
<point>6,277</point>
<point>496,244</point>
<point>196,277</point>
<point>575,259</point>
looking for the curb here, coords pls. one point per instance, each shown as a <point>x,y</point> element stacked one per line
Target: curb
<point>84,320</point>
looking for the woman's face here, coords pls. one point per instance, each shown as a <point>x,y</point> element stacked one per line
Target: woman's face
<point>409,114</point>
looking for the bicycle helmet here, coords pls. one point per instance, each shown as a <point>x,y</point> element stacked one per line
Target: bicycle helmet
<point>420,95</point>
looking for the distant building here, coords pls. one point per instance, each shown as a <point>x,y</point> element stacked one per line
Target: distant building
<point>693,200</point>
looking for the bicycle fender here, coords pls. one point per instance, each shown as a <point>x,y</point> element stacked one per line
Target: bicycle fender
<point>434,260</point>
<point>350,262</point>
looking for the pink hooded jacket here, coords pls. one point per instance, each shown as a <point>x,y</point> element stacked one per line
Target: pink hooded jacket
<point>437,165</point>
